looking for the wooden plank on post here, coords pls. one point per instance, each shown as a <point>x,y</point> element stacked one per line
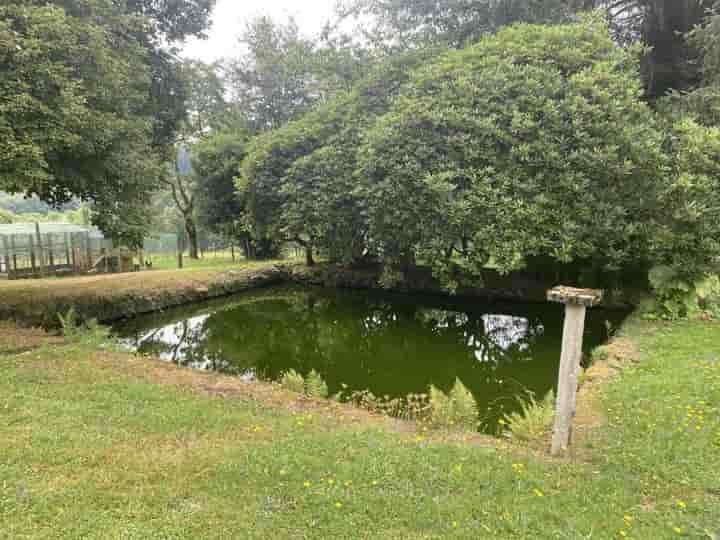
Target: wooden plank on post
<point>576,303</point>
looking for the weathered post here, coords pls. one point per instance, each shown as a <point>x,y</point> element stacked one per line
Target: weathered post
<point>33,260</point>
<point>51,254</point>
<point>6,249</point>
<point>576,302</point>
<point>88,252</point>
<point>41,253</point>
<point>180,249</point>
<point>13,248</point>
<point>66,241</point>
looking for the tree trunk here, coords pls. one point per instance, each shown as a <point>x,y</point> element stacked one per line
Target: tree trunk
<point>309,260</point>
<point>192,235</point>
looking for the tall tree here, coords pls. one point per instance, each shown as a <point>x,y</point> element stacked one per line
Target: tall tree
<point>402,24</point>
<point>90,100</point>
<point>271,82</point>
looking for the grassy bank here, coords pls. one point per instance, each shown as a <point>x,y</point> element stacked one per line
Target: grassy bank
<point>111,296</point>
<point>98,444</point>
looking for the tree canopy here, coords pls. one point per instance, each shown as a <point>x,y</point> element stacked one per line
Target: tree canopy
<point>90,100</point>
<point>532,147</point>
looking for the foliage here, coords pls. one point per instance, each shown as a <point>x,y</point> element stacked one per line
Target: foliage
<point>292,381</point>
<point>312,386</point>
<point>84,333</point>
<point>297,182</point>
<point>534,420</point>
<point>315,386</point>
<point>91,98</point>
<point>219,208</point>
<point>564,161</point>
<point>455,409</point>
<point>271,82</point>
<point>413,407</point>
<point>401,24</point>
<point>7,217</point>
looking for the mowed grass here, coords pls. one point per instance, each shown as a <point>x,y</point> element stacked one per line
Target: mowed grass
<point>94,446</point>
<point>221,259</point>
<point>38,301</point>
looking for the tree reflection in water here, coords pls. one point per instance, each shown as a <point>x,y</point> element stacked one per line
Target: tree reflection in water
<point>391,345</point>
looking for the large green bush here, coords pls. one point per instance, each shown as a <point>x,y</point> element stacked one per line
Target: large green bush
<point>532,147</point>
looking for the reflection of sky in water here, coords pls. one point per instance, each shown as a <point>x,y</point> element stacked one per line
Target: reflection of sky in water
<point>503,332</point>
<point>175,336</point>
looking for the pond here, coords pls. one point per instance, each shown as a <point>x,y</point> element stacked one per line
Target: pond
<point>389,344</point>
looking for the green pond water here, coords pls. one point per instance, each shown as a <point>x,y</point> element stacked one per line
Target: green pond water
<point>389,344</point>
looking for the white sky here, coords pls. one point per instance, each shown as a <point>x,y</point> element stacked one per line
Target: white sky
<point>229,20</point>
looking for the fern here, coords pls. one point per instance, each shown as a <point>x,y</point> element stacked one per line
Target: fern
<point>69,324</point>
<point>293,382</point>
<point>315,386</point>
<point>534,419</point>
<point>458,408</point>
<point>464,407</point>
<point>89,333</point>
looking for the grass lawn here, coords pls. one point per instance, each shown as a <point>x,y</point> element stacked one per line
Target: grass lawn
<point>39,300</point>
<point>98,444</point>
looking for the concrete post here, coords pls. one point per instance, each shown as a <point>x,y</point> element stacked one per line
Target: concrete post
<point>576,302</point>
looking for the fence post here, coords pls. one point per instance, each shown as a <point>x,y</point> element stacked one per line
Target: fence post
<point>51,255</point>
<point>14,252</point>
<point>40,249</point>
<point>6,249</point>
<point>180,249</point>
<point>576,302</point>
<point>73,250</point>
<point>33,259</point>
<point>88,252</point>
<point>66,241</point>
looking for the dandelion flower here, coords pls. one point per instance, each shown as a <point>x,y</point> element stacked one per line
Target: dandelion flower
<point>538,493</point>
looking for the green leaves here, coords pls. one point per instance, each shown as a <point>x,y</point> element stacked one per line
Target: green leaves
<point>531,148</point>
<point>90,101</point>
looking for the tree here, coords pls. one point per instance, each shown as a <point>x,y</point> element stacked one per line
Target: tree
<point>534,149</point>
<point>91,101</point>
<point>181,182</point>
<point>219,208</point>
<point>271,83</point>
<point>531,149</point>
<point>402,24</point>
<point>297,182</point>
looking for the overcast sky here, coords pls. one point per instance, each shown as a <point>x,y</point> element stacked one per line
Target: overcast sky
<point>230,15</point>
